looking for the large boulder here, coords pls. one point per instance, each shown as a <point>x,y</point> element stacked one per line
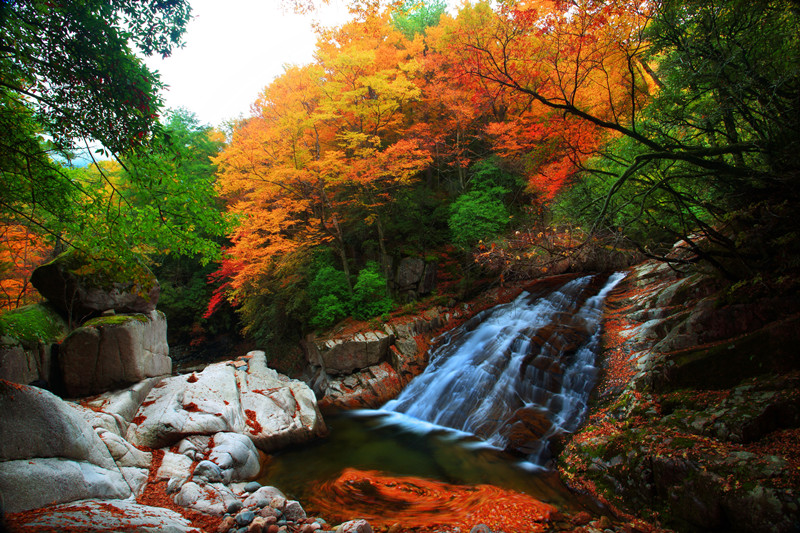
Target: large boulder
<point>111,352</point>
<point>80,287</point>
<point>410,272</point>
<point>367,389</point>
<point>103,516</point>
<point>33,483</point>
<point>244,397</point>
<point>27,336</point>
<point>49,452</point>
<point>341,356</point>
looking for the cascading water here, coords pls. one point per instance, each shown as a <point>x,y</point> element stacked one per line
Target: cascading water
<point>518,373</point>
<point>511,377</point>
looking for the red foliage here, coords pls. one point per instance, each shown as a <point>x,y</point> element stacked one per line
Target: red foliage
<point>424,505</point>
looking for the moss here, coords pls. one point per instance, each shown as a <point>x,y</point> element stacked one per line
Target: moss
<point>115,320</point>
<point>106,272</point>
<point>33,324</point>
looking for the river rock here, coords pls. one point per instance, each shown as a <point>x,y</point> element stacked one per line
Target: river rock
<point>342,356</point>
<point>50,453</point>
<point>367,389</point>
<point>355,526</point>
<point>114,410</point>
<point>209,498</point>
<point>80,288</point>
<point>33,483</point>
<point>104,516</point>
<point>264,497</point>
<point>271,409</point>
<point>113,352</point>
<point>526,429</point>
<point>236,455</point>
<point>690,375</point>
<point>39,424</point>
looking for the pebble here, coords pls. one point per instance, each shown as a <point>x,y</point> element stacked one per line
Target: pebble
<point>245,517</point>
<point>252,486</point>
<point>227,523</point>
<point>234,506</point>
<point>293,511</point>
<point>257,525</point>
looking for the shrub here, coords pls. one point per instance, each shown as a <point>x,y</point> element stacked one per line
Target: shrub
<point>370,294</point>
<point>329,297</point>
<point>478,215</point>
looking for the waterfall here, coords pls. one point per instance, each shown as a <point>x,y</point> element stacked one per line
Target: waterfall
<point>518,373</point>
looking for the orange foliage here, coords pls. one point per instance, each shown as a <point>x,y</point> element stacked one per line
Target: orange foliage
<point>418,504</point>
<point>21,251</point>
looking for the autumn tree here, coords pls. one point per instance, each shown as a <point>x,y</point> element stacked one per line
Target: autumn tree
<point>712,124</point>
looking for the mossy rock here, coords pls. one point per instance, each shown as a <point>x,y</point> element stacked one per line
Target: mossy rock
<point>114,320</point>
<point>33,324</point>
<point>725,364</point>
<point>82,287</point>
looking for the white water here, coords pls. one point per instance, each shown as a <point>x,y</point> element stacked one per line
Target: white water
<point>508,358</point>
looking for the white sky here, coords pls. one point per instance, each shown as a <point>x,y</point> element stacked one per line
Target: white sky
<point>235,48</point>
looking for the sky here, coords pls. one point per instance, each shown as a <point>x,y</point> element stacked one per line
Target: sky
<point>233,50</point>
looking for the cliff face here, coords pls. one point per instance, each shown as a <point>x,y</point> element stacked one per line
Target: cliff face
<point>696,419</point>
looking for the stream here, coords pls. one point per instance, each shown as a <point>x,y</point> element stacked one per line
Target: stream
<point>496,389</point>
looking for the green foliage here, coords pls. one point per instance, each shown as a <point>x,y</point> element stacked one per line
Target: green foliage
<point>87,82</point>
<point>87,86</point>
<point>33,324</point>
<point>370,293</point>
<point>478,215</point>
<point>488,173</point>
<point>327,311</point>
<point>414,16</point>
<point>329,295</point>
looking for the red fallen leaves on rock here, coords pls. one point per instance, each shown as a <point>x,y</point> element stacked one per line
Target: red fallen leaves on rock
<point>191,408</point>
<point>252,422</point>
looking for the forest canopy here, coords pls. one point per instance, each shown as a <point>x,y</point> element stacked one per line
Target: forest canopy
<point>484,139</point>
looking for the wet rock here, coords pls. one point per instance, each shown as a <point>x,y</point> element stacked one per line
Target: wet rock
<point>370,388</point>
<point>245,517</point>
<point>355,526</point>
<point>293,511</point>
<point>527,427</point>
<point>252,486</point>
